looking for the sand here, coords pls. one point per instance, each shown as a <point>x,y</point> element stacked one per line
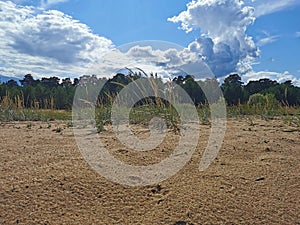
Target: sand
<point>254,180</point>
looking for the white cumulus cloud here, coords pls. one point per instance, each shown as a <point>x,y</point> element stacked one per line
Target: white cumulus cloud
<point>167,62</point>
<point>35,42</point>
<point>223,43</point>
<point>279,77</point>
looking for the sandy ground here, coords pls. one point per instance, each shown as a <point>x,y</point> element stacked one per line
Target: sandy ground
<point>254,180</point>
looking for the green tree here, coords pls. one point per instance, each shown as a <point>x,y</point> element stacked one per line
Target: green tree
<point>28,80</point>
<point>66,82</point>
<point>263,101</point>
<point>51,82</point>
<point>211,87</point>
<point>233,90</point>
<point>259,86</point>
<point>61,98</point>
<point>12,83</point>
<point>193,90</point>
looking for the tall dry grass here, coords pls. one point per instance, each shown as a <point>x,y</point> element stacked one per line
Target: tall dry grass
<point>13,109</point>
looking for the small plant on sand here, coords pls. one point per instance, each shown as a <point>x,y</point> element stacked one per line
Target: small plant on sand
<point>293,121</point>
<point>250,121</point>
<point>204,114</point>
<point>100,126</point>
<point>69,124</point>
<point>58,130</point>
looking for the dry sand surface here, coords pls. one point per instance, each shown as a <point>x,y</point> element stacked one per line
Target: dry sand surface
<point>254,180</point>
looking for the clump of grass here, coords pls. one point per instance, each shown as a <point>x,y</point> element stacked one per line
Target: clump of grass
<point>204,114</point>
<point>69,124</point>
<point>102,116</point>
<point>143,115</point>
<point>266,113</point>
<point>100,126</point>
<point>58,130</point>
<point>14,110</point>
<point>293,121</point>
<point>12,114</point>
<point>250,121</point>
<point>144,110</point>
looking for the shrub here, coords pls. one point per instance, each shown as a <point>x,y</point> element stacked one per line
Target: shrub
<point>257,100</point>
<point>265,102</point>
<point>272,102</point>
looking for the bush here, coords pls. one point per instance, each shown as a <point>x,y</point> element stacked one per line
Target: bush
<point>272,102</point>
<point>260,101</point>
<point>257,100</point>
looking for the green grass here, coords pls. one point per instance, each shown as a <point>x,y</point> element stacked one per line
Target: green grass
<point>34,115</point>
<point>143,114</point>
<point>244,110</point>
<point>139,115</point>
<point>289,115</point>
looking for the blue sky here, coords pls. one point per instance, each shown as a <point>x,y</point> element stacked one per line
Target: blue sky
<point>257,39</point>
<point>131,20</point>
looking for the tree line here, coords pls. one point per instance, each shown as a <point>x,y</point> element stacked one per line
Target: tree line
<point>54,93</point>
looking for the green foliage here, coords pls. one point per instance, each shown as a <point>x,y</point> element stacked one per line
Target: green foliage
<point>233,90</point>
<point>204,114</point>
<point>193,90</point>
<point>293,120</point>
<point>263,102</point>
<point>49,99</point>
<point>272,102</point>
<point>257,100</point>
<point>100,126</point>
<point>69,124</point>
<point>58,130</point>
<point>259,86</point>
<point>49,93</point>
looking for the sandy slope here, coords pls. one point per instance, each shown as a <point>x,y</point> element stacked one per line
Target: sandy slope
<point>255,180</point>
